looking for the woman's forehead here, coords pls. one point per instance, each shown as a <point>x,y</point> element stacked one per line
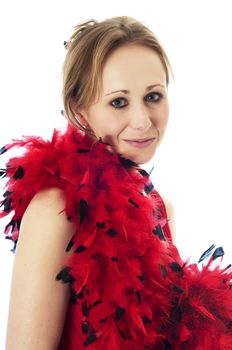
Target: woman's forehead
<point>130,66</point>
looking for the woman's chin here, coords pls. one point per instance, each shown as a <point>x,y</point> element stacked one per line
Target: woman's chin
<point>140,159</point>
<point>138,155</point>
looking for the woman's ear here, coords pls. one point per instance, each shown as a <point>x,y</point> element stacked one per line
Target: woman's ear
<point>79,114</point>
<point>80,118</point>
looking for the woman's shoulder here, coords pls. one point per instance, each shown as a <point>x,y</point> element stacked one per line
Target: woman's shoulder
<point>54,195</point>
<point>45,200</point>
<point>45,217</point>
<point>169,206</point>
<point>170,215</point>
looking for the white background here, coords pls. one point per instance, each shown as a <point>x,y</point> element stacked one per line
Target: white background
<point>193,165</point>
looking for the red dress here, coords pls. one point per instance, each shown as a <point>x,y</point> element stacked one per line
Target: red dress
<point>129,288</point>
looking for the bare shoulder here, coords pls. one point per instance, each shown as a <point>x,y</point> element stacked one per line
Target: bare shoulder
<point>170,214</point>
<point>45,222</point>
<point>169,206</point>
<point>44,235</point>
<point>47,197</point>
<point>46,208</point>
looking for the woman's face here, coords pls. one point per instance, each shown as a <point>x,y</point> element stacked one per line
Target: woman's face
<point>132,111</point>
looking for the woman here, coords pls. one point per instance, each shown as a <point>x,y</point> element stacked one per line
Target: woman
<point>89,216</point>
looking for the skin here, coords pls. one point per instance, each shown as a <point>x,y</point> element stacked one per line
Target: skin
<point>139,110</point>
<point>38,303</point>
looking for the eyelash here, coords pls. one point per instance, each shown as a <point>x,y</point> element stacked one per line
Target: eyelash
<point>122,98</point>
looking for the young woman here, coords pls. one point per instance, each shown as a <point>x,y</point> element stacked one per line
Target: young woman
<point>89,216</point>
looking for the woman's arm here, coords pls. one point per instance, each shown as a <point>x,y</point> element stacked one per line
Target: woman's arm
<point>38,303</point>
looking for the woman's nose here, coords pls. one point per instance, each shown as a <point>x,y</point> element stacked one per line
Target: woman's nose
<point>140,118</point>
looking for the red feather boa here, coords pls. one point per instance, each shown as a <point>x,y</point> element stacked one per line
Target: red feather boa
<point>129,288</point>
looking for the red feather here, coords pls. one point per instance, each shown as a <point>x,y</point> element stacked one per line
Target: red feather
<point>129,288</point>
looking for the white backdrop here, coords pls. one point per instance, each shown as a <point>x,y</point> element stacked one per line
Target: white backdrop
<point>193,165</point>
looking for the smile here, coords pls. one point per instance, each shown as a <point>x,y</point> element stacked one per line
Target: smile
<point>141,143</point>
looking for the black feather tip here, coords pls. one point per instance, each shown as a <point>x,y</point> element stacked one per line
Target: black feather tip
<point>158,231</point>
<point>207,253</point>
<point>65,276</point>
<point>3,150</point>
<point>83,210</point>
<point>19,173</point>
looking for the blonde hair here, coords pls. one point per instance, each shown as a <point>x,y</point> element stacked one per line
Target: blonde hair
<point>87,50</point>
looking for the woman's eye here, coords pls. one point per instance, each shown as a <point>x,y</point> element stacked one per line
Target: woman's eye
<point>153,97</point>
<point>119,103</point>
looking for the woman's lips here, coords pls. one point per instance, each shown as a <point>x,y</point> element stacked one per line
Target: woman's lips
<point>141,143</point>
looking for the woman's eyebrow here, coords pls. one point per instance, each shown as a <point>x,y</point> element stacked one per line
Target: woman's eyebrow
<point>148,88</point>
